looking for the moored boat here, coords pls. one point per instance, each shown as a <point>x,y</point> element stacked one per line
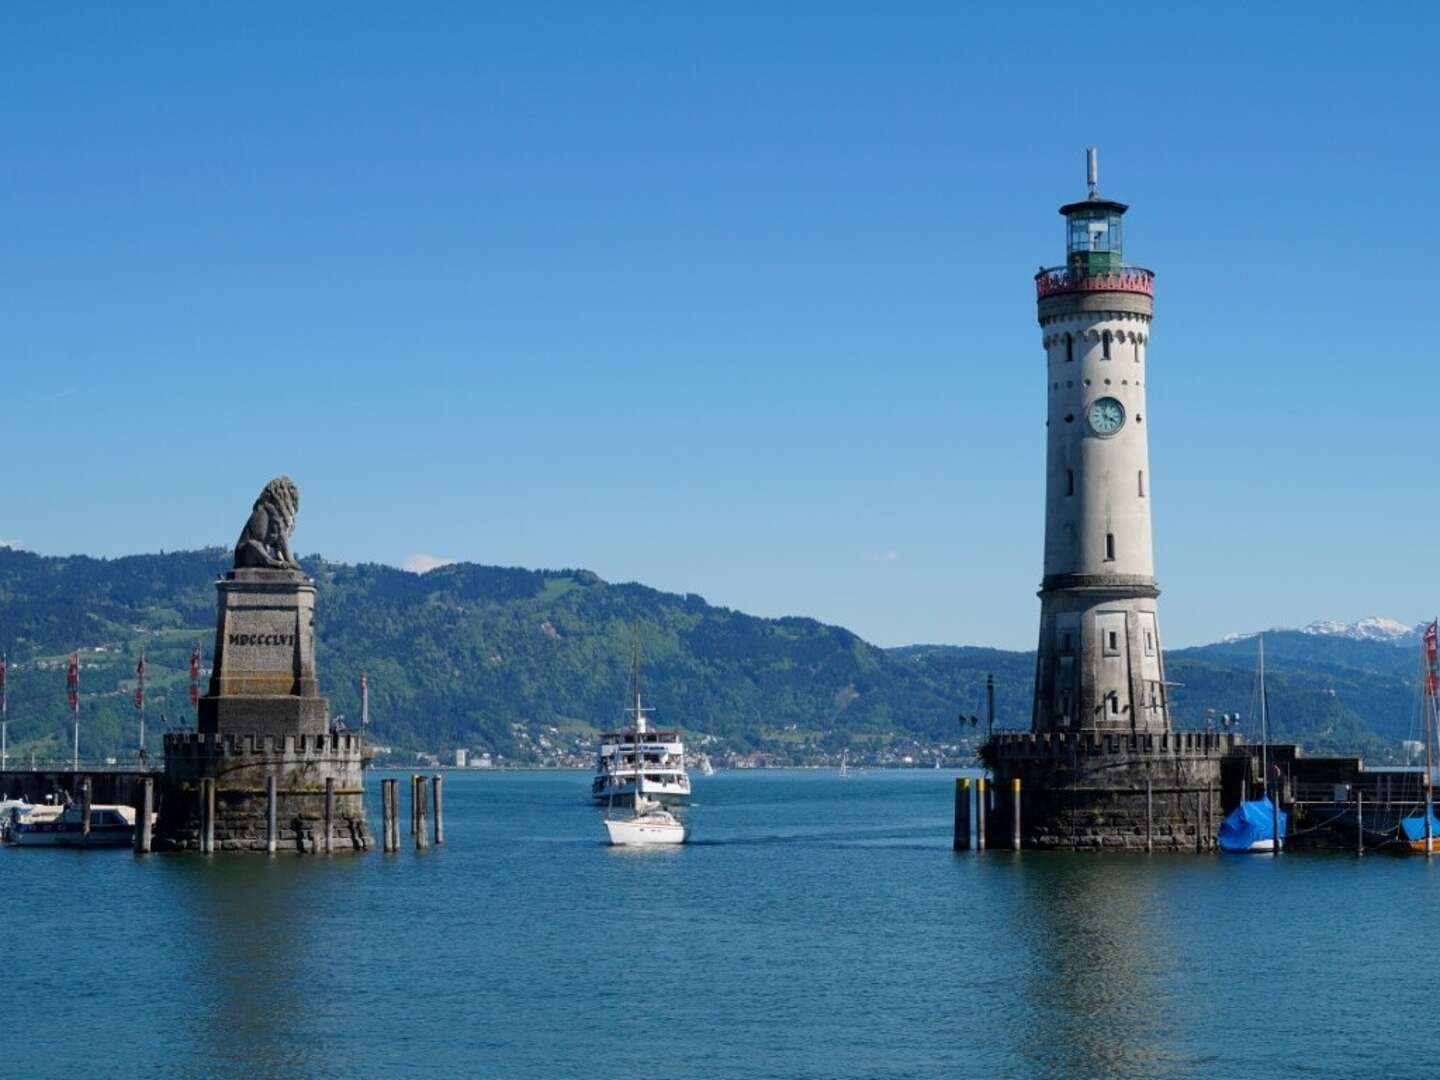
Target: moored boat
<point>44,826</point>
<point>1420,833</point>
<point>1257,826</point>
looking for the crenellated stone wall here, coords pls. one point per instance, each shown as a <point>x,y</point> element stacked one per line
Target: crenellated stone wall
<point>1089,791</point>
<point>242,766</point>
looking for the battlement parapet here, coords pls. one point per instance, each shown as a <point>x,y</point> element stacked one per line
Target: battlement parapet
<point>1010,745</point>
<point>200,744</point>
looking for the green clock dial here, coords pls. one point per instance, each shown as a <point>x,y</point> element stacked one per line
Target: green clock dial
<point>1106,416</point>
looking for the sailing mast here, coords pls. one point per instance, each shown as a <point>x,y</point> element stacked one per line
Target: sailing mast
<point>1274,800</point>
<point>1428,715</point>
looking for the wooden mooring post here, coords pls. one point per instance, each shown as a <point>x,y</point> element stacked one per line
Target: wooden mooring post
<point>207,815</point>
<point>87,800</point>
<point>272,815</point>
<point>980,814</point>
<point>1015,814</point>
<point>419,789</point>
<point>390,832</point>
<point>1359,821</point>
<point>436,797</point>
<point>329,814</point>
<point>962,814</point>
<point>143,813</point>
<point>414,804</point>
<point>1149,815</point>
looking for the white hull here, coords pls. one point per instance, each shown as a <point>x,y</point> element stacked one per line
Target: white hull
<point>110,826</point>
<point>631,832</point>
<point>1260,847</point>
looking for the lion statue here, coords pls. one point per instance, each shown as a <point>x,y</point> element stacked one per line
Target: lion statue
<point>265,541</point>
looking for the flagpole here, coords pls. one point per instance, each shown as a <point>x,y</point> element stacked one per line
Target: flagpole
<point>4,711</point>
<point>74,680</point>
<point>140,701</point>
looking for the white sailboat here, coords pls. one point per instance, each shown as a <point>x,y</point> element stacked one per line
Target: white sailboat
<point>649,822</point>
<point>844,763</point>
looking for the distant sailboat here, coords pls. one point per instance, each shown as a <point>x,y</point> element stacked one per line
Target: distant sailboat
<point>1257,825</point>
<point>649,822</point>
<point>844,764</point>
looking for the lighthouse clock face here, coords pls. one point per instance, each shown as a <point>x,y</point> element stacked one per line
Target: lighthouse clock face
<point>1106,416</point>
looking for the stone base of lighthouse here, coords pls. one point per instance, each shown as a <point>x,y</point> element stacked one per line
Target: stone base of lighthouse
<point>1091,791</point>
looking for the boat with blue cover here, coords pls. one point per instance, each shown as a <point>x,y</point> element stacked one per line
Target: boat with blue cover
<point>1257,825</point>
<point>1251,827</point>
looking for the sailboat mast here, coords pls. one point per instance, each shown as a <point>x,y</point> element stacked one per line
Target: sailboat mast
<point>1264,727</point>
<point>1427,678</point>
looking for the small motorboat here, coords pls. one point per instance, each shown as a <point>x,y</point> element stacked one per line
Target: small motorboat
<point>57,826</point>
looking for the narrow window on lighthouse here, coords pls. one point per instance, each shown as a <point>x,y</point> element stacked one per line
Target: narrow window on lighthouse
<point>1109,547</point>
<point>1105,344</point>
<point>1069,348</point>
<point>1070,482</point>
<point>1142,483</point>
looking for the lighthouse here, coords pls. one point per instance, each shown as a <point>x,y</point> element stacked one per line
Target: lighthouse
<point>1102,768</point>
<point>1099,665</point>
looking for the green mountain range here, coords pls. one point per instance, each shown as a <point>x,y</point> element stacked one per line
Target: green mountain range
<point>529,664</point>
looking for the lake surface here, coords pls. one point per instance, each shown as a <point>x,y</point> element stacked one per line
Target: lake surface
<point>816,927</point>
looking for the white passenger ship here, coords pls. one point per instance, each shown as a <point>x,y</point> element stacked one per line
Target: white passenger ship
<point>661,753</point>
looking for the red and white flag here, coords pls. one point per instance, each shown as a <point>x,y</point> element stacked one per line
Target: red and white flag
<point>140,684</point>
<point>195,675</point>
<point>1432,672</point>
<point>72,683</point>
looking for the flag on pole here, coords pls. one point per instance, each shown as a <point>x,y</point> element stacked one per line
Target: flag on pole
<point>1432,669</point>
<point>195,675</point>
<point>72,682</point>
<point>140,684</point>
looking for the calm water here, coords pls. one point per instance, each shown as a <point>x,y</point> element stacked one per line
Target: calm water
<point>817,927</point>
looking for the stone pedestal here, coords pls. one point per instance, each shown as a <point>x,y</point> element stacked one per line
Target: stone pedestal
<point>1113,792</point>
<point>264,678</point>
<point>262,721</point>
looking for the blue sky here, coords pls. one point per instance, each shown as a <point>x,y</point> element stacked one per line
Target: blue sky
<point>733,301</point>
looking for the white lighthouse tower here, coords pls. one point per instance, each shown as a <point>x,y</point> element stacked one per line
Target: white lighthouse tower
<point>1099,664</point>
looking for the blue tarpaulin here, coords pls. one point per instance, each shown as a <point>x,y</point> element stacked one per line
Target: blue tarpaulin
<point>1252,821</point>
<point>1413,827</point>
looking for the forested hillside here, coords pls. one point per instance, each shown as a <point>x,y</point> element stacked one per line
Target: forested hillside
<point>495,659</point>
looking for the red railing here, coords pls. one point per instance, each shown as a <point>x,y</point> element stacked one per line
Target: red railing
<point>1061,279</point>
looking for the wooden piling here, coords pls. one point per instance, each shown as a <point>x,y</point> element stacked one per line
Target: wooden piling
<point>1359,821</point>
<point>980,814</point>
<point>387,814</point>
<point>272,800</point>
<point>436,798</point>
<point>418,790</point>
<point>142,816</point>
<point>1015,814</point>
<point>962,814</point>
<point>1210,838</point>
<point>207,815</point>
<point>329,814</point>
<point>1149,815</point>
<point>86,801</point>
<point>414,806</point>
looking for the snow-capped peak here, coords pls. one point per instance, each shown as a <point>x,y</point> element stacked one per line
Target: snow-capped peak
<point>1370,628</point>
